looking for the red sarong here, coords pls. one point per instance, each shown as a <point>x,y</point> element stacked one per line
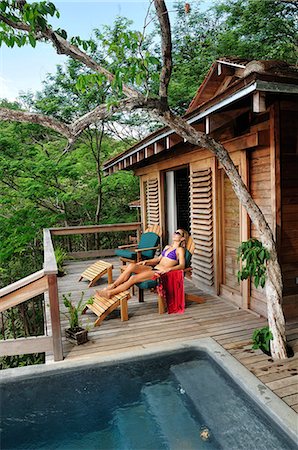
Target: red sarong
<point>171,289</point>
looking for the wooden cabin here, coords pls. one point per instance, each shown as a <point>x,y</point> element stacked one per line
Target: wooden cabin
<point>251,108</point>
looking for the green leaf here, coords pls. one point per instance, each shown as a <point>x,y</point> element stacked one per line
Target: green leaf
<point>32,40</point>
<point>3,6</point>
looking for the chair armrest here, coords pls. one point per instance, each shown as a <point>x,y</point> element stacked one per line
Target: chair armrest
<point>127,246</point>
<point>144,249</point>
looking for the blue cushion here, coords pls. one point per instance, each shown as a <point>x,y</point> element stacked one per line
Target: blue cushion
<point>148,239</point>
<point>125,253</point>
<point>148,284</point>
<point>188,256</point>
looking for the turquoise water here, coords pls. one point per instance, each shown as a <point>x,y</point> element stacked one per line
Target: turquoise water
<point>169,402</point>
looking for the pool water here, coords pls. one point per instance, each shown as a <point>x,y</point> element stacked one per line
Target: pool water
<point>180,401</point>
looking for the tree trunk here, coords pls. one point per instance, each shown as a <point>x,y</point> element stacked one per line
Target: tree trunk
<point>276,321</point>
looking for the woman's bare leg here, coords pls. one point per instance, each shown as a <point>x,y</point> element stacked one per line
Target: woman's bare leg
<point>131,268</point>
<point>142,276</point>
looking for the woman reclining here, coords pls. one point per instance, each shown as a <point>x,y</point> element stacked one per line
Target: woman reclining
<point>171,258</point>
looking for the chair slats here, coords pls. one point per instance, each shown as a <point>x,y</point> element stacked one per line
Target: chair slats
<point>102,306</point>
<point>96,271</point>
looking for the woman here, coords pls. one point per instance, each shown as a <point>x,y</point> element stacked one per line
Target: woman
<point>172,258</point>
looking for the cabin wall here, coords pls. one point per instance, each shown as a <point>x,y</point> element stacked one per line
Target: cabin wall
<point>289,210</point>
<point>218,222</point>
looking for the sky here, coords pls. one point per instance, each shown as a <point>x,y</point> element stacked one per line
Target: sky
<point>23,69</point>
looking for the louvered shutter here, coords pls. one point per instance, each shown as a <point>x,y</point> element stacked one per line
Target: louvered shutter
<point>202,225</point>
<point>151,202</point>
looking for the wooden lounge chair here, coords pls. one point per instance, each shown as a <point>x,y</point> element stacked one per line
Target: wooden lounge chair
<point>96,271</point>
<point>149,243</point>
<point>102,307</point>
<point>151,284</point>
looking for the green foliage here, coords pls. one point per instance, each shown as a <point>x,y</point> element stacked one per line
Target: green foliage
<point>60,255</point>
<point>254,258</point>
<point>40,188</point>
<point>9,362</point>
<point>261,339</point>
<point>248,29</point>
<point>34,14</point>
<point>75,310</point>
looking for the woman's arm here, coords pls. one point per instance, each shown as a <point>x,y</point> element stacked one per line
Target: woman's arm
<point>150,262</point>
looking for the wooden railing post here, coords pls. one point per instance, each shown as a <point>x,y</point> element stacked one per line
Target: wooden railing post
<point>55,317</point>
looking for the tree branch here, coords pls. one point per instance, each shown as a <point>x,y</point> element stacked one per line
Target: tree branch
<point>166,50</point>
<point>64,47</point>
<point>74,130</point>
<point>49,122</point>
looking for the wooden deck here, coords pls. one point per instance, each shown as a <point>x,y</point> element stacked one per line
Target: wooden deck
<point>230,327</point>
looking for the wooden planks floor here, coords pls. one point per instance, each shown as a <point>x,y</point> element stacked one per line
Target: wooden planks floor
<point>230,327</point>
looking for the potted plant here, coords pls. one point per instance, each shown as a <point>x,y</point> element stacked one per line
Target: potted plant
<point>60,255</point>
<point>75,333</point>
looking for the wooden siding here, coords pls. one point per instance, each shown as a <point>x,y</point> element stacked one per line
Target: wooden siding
<point>231,235</point>
<point>202,225</point>
<point>230,327</point>
<point>260,188</point>
<point>289,193</point>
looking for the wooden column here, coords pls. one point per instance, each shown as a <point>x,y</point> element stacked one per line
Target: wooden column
<point>55,317</point>
<point>216,225</point>
<point>244,226</point>
<point>162,216</point>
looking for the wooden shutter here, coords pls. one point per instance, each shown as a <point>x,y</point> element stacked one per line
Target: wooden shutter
<point>202,225</point>
<point>151,202</point>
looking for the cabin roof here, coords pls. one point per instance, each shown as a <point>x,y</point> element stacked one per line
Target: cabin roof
<point>228,80</point>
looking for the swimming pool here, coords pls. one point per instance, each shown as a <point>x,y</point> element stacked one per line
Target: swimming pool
<point>175,400</point>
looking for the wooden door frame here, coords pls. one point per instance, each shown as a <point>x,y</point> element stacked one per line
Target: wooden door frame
<point>162,182</point>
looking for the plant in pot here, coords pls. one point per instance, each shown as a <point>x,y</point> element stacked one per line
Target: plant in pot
<point>75,333</point>
<point>60,255</point>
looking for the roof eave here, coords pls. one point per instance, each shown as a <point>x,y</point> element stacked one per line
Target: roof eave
<point>250,84</point>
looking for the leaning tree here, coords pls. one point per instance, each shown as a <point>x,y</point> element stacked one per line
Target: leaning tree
<point>23,23</point>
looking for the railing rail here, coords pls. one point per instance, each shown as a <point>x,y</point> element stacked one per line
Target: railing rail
<point>96,228</point>
<point>45,281</point>
<point>15,294</point>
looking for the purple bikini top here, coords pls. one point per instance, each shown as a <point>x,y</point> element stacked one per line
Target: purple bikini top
<point>171,255</point>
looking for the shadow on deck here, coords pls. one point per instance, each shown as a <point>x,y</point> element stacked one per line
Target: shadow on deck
<point>226,324</point>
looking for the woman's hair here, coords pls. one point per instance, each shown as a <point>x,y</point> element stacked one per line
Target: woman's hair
<point>183,243</point>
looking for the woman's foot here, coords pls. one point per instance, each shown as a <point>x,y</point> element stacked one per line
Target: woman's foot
<point>105,293</point>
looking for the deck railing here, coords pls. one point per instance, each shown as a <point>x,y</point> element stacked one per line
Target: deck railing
<point>45,281</point>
